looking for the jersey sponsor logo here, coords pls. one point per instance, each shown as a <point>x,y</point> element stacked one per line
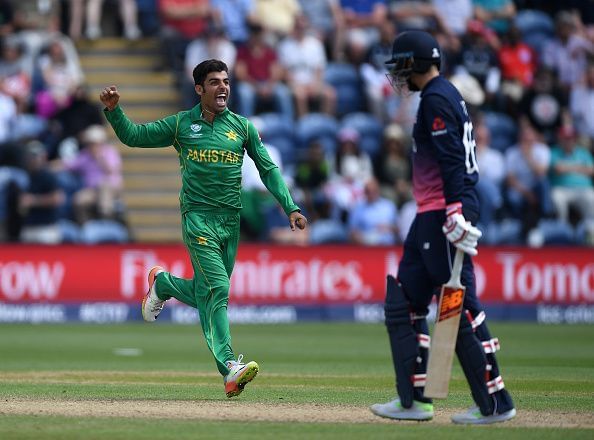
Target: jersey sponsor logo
<point>438,126</point>
<point>213,156</point>
<point>231,135</point>
<point>195,128</point>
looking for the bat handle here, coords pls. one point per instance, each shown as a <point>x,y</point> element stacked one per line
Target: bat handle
<point>457,268</point>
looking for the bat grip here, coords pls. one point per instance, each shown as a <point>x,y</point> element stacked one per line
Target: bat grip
<point>457,268</point>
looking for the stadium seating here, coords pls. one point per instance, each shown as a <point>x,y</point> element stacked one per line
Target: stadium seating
<point>317,126</point>
<point>370,129</point>
<point>503,130</point>
<point>278,131</point>
<point>345,79</point>
<point>530,21</point>
<point>536,28</point>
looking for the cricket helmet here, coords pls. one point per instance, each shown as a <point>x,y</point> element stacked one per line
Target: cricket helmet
<point>413,51</point>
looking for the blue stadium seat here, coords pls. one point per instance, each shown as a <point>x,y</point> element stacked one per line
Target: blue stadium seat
<point>552,232</point>
<point>536,28</point>
<point>530,21</point>
<point>345,79</point>
<point>503,130</point>
<point>317,126</point>
<point>370,129</point>
<point>537,41</point>
<point>278,131</point>
<point>274,125</point>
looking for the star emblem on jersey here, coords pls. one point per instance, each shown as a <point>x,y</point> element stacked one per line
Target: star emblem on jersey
<point>201,240</point>
<point>231,135</point>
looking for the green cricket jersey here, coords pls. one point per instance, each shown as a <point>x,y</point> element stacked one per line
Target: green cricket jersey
<point>210,155</point>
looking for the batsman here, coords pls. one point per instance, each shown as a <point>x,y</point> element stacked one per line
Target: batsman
<point>445,172</point>
<point>210,142</point>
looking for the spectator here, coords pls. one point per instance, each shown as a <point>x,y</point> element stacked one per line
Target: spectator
<point>392,166</point>
<point>15,79</point>
<point>326,20</point>
<point>303,57</point>
<point>373,220</point>
<point>60,76</point>
<point>6,18</point>
<point>99,167</point>
<point>235,16</point>
<point>8,114</point>
<point>365,16</point>
<point>478,57</point>
<point>496,14</point>
<point>456,22</point>
<point>572,169</point>
<point>213,44</point>
<point>581,104</point>
<point>278,17</point>
<point>311,175</point>
<point>39,205</point>
<point>492,173</point>
<point>518,63</point>
<point>259,77</point>
<point>567,53</point>
<point>544,103</point>
<point>381,98</point>
<point>528,190</point>
<point>92,11</point>
<point>423,14</point>
<point>35,15</point>
<point>148,17</point>
<point>69,122</point>
<point>352,168</point>
<point>181,22</point>
<point>255,198</point>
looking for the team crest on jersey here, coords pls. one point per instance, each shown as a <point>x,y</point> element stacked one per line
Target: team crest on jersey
<point>438,127</point>
<point>195,128</point>
<point>231,135</point>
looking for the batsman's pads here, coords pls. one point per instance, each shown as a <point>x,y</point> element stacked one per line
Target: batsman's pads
<point>494,381</point>
<point>459,231</point>
<point>476,357</point>
<point>409,342</point>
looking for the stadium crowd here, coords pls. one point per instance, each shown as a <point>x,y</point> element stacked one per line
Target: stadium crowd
<point>311,75</point>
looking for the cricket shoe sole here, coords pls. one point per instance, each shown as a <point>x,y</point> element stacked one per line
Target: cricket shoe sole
<point>239,377</point>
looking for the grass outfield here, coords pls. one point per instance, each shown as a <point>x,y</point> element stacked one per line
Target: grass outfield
<point>158,381</point>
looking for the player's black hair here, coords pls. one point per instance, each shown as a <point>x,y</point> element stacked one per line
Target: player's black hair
<point>205,67</point>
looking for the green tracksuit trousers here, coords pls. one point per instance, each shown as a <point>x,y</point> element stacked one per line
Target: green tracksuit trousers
<point>211,239</point>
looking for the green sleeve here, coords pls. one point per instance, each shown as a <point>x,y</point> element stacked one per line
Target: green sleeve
<point>160,133</point>
<point>268,170</point>
<point>273,180</point>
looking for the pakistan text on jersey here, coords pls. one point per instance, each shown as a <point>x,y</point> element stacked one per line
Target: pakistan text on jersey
<point>213,156</point>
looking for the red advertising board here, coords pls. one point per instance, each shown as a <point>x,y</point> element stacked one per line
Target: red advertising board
<point>285,275</point>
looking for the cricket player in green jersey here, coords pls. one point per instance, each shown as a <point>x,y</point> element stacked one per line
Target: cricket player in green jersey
<point>210,141</point>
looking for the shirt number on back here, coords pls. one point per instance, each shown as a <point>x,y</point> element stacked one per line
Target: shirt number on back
<point>470,149</point>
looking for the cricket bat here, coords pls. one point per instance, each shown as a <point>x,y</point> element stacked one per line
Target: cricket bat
<point>445,332</point>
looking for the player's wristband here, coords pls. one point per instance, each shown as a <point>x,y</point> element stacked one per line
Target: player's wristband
<point>453,208</point>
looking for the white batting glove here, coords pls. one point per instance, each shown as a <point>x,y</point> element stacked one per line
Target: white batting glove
<point>460,232</point>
